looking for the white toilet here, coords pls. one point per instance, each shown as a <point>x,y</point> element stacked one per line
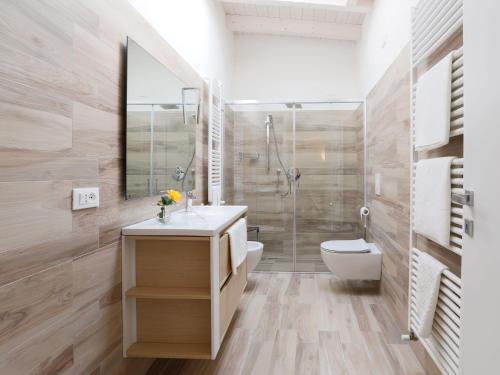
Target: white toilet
<point>352,259</point>
<point>254,253</point>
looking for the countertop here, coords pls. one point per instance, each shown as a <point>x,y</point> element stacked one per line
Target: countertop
<point>201,221</point>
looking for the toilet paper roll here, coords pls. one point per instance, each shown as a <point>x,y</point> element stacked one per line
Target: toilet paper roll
<point>363,213</point>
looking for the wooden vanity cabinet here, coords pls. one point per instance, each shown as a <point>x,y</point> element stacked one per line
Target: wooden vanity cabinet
<point>179,295</point>
<point>230,295</point>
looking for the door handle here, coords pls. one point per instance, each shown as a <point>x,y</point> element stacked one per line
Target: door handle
<point>466,199</point>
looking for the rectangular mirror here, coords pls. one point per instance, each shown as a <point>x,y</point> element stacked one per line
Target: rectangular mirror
<point>162,114</point>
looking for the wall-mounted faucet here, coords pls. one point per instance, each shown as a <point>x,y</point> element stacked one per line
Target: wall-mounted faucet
<point>179,173</point>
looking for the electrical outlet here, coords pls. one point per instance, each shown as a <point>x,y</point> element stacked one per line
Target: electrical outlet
<point>85,198</point>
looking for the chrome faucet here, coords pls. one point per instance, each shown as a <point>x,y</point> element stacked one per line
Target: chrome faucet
<point>189,201</point>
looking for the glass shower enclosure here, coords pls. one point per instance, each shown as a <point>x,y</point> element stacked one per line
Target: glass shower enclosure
<point>299,167</point>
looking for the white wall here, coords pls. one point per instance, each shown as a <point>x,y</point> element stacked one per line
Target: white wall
<point>386,31</point>
<point>278,68</point>
<point>197,30</point>
<point>275,67</point>
<point>481,259</point>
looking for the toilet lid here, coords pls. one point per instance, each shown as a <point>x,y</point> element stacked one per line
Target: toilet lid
<point>347,246</point>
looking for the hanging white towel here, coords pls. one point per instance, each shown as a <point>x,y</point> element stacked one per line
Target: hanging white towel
<point>427,290</point>
<point>432,117</point>
<point>238,243</point>
<point>433,199</point>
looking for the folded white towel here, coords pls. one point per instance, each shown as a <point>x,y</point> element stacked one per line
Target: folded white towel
<point>238,243</point>
<point>427,290</point>
<point>432,112</point>
<point>433,199</point>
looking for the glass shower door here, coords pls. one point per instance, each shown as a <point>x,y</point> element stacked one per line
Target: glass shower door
<point>299,168</point>
<point>329,152</point>
<point>260,180</point>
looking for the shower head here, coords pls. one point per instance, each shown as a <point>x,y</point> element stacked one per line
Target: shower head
<point>269,120</point>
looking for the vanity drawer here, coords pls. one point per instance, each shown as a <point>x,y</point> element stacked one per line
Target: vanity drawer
<point>230,296</point>
<point>224,259</point>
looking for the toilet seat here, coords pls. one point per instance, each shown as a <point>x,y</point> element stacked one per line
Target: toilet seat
<point>348,246</point>
<point>352,260</point>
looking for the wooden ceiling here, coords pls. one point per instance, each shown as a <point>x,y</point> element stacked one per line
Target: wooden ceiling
<point>328,19</point>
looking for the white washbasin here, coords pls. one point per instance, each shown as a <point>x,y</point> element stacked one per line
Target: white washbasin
<point>201,221</point>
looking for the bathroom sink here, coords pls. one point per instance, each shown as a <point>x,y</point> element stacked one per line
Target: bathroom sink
<point>197,213</point>
<point>201,221</point>
<point>185,218</point>
<point>207,211</point>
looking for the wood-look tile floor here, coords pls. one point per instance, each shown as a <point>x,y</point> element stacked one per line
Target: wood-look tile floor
<point>279,263</point>
<point>306,324</point>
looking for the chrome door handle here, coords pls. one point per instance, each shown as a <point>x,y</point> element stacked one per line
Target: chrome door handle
<point>466,199</point>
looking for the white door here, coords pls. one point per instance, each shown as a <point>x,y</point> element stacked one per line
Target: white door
<point>481,260</point>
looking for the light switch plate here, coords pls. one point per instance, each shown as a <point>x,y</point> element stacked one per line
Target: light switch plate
<point>85,198</point>
<point>377,184</point>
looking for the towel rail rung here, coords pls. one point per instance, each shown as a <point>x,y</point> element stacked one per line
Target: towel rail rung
<point>458,102</point>
<point>447,315</point>
<point>445,291</point>
<point>451,351</point>
<point>442,336</point>
<point>457,63</point>
<point>452,334</point>
<point>459,112</point>
<point>457,73</point>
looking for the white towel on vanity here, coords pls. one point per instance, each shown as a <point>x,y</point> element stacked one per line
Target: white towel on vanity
<point>238,243</point>
<point>433,105</point>
<point>427,290</point>
<point>433,199</point>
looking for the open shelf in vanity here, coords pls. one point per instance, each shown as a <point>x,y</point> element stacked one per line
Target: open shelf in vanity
<point>179,294</point>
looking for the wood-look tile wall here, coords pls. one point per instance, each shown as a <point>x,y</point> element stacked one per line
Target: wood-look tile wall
<point>62,85</point>
<point>389,151</point>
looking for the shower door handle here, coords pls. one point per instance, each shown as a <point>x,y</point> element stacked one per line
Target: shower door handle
<point>268,150</point>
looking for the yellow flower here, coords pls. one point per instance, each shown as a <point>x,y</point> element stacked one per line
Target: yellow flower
<point>174,195</point>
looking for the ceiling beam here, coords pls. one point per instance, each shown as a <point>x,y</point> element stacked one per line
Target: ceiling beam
<point>360,6</point>
<point>292,27</point>
<point>360,3</point>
